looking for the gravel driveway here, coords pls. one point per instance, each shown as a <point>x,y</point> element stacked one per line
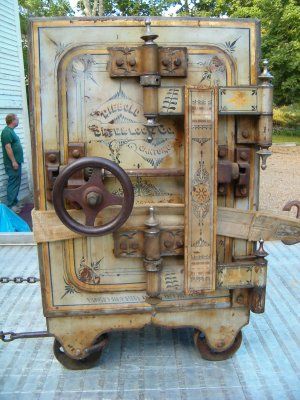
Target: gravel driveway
<point>280,182</point>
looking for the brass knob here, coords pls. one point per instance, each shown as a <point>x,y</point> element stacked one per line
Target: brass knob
<point>93,199</point>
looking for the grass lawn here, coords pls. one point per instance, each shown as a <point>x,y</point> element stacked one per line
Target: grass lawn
<point>286,135</point>
<point>286,139</point>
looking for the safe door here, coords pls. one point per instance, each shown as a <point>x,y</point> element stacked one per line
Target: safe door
<point>148,140</point>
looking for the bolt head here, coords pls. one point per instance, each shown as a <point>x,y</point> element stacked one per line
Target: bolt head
<point>93,199</point>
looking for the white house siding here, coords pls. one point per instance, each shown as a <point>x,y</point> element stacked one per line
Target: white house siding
<point>12,89</point>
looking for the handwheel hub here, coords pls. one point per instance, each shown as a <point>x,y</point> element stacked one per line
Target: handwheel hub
<point>93,197</point>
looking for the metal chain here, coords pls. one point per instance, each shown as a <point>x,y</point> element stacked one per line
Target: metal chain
<point>10,336</point>
<point>19,279</point>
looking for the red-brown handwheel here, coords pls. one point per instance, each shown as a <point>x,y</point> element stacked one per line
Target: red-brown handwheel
<point>93,196</point>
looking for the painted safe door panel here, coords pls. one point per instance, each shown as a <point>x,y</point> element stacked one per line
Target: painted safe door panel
<point>107,115</point>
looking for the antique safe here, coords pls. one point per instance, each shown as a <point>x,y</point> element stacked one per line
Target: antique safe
<point>149,137</point>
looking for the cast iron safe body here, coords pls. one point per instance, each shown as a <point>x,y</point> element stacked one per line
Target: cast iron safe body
<point>184,109</point>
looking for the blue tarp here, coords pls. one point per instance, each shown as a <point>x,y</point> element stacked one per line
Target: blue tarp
<point>11,222</point>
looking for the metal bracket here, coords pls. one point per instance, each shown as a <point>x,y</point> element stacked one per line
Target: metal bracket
<point>53,166</point>
<point>130,243</point>
<point>126,62</point>
<point>52,162</point>
<point>237,172</point>
<point>243,161</point>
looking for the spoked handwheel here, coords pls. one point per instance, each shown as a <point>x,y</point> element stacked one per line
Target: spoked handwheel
<point>93,196</point>
<point>86,363</point>
<point>208,354</point>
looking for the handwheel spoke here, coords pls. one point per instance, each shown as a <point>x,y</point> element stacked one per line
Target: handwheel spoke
<point>90,217</point>
<point>96,178</point>
<point>73,195</point>
<point>114,200</point>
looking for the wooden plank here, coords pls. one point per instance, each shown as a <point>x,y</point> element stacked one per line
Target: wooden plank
<point>200,189</point>
<point>240,224</point>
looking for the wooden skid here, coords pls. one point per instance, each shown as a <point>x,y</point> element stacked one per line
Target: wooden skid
<point>240,224</point>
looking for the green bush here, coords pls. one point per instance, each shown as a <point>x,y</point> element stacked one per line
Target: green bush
<point>287,117</point>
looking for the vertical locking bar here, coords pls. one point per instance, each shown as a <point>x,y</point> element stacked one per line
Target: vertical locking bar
<point>152,260</point>
<point>265,122</point>
<point>150,79</point>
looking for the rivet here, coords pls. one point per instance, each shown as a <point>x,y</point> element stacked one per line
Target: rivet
<point>245,134</point>
<point>221,189</point>
<point>177,62</point>
<point>220,344</point>
<point>222,152</point>
<point>52,157</point>
<point>78,352</point>
<point>119,62</point>
<point>168,244</point>
<point>243,191</point>
<point>134,246</point>
<point>132,62</point>
<point>165,61</point>
<point>76,153</point>
<point>244,155</point>
<point>240,299</point>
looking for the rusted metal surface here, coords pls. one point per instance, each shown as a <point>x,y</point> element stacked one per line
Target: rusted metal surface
<point>243,181</point>
<point>52,162</point>
<point>93,196</point>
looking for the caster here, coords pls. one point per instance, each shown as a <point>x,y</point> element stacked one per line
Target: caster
<point>208,354</point>
<point>70,363</point>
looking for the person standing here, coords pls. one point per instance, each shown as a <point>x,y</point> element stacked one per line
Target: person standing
<point>12,159</point>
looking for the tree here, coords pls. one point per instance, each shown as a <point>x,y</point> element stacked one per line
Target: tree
<point>280,21</point>
<point>124,7</point>
<point>39,8</point>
